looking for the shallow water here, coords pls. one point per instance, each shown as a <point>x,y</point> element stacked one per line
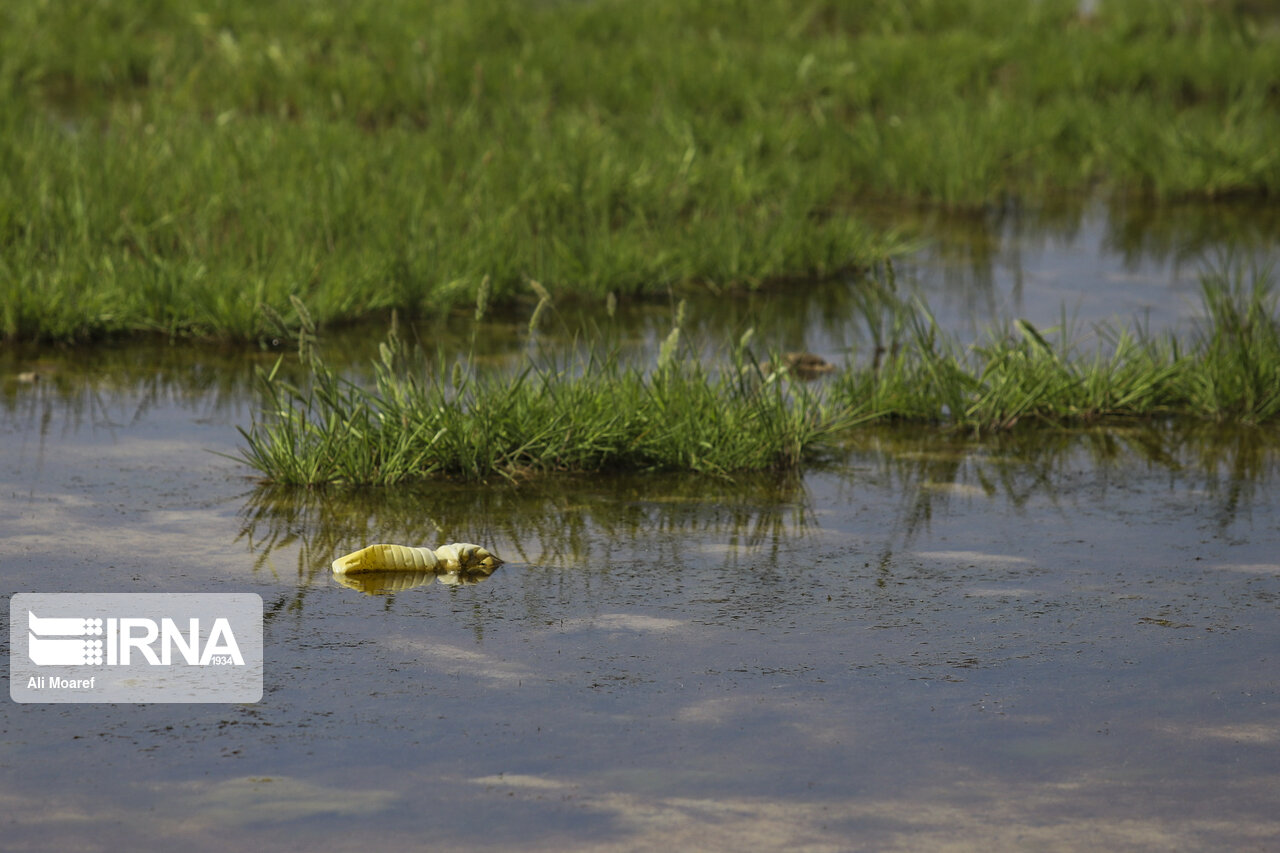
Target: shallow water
<point>1065,642</point>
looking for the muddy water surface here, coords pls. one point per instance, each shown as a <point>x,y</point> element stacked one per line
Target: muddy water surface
<point>1065,642</point>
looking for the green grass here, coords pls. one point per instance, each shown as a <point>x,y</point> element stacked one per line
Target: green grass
<point>420,420</point>
<point>1230,370</point>
<point>172,165</point>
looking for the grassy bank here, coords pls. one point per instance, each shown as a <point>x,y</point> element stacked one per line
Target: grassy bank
<point>420,420</point>
<point>172,166</point>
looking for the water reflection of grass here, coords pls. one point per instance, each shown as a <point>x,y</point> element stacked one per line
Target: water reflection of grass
<point>173,168</point>
<point>566,523</point>
<point>598,416</point>
<point>924,470</point>
<point>576,522</point>
<point>63,391</point>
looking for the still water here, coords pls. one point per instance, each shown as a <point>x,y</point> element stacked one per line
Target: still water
<point>1059,641</point>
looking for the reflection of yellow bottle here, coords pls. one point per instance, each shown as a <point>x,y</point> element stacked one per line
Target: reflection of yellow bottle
<point>383,583</point>
<point>401,558</point>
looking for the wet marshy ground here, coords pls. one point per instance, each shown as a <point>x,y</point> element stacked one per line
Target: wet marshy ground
<point>1067,640</point>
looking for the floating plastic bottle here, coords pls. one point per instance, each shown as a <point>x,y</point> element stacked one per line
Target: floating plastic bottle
<point>457,557</point>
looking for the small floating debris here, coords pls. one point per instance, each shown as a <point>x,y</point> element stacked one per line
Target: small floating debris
<point>1164,623</point>
<point>802,365</point>
<point>457,558</point>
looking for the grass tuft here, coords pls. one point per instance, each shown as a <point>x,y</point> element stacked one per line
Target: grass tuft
<point>1229,371</point>
<point>597,416</point>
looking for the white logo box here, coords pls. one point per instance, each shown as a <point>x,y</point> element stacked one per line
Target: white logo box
<point>135,647</point>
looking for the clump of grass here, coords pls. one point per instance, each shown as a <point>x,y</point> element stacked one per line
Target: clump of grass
<point>597,416</point>
<point>1236,369</point>
<point>1230,370</point>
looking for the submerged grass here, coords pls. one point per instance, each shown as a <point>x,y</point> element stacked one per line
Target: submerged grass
<point>173,166</point>
<point>417,423</point>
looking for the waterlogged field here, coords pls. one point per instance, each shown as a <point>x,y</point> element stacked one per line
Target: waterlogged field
<point>1005,578</point>
<point>1058,638</point>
